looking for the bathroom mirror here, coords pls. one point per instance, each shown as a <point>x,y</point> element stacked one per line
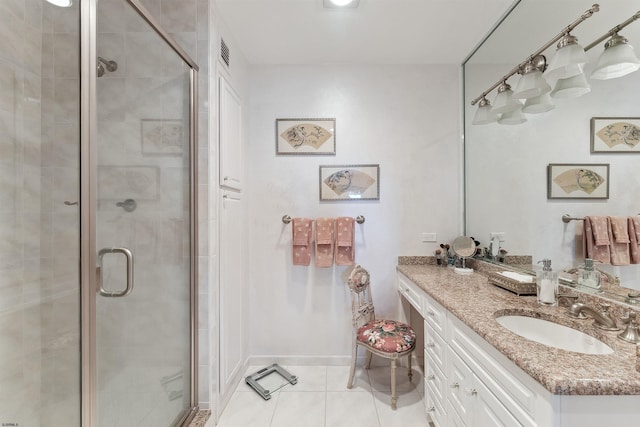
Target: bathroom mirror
<point>506,166</point>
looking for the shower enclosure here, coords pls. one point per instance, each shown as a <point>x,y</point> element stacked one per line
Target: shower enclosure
<point>97,207</point>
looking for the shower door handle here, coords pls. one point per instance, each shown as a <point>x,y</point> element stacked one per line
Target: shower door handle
<point>129,257</point>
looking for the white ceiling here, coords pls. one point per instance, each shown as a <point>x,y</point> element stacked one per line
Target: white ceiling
<point>377,32</point>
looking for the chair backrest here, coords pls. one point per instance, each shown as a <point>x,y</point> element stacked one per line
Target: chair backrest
<point>361,303</point>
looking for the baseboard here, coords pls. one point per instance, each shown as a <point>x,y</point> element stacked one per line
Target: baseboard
<point>283,360</point>
<point>300,360</point>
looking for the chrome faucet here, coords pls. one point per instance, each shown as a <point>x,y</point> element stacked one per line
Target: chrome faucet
<point>611,279</point>
<point>600,320</point>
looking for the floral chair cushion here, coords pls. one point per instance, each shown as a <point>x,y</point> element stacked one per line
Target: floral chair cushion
<point>387,335</point>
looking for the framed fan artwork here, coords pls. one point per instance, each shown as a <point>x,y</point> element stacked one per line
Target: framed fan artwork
<point>350,182</point>
<point>615,135</point>
<point>306,137</point>
<point>577,181</point>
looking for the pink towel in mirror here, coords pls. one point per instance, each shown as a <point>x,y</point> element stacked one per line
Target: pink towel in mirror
<point>634,248</point>
<point>301,240</point>
<point>619,238</point>
<point>595,239</point>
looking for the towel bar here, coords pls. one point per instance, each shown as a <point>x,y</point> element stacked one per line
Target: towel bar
<point>566,218</point>
<point>286,219</point>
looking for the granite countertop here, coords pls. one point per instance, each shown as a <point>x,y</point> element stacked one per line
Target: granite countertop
<point>476,303</point>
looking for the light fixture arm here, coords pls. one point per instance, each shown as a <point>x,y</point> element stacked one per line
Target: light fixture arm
<point>586,15</point>
<point>613,31</point>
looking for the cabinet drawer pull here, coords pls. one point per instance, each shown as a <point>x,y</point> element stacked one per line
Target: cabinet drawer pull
<point>431,409</point>
<point>431,377</point>
<point>473,392</point>
<point>430,313</point>
<point>430,345</point>
<point>455,385</point>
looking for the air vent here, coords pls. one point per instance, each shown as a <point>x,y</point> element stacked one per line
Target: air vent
<point>224,51</point>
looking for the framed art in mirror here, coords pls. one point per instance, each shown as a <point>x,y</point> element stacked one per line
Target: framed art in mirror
<point>577,181</point>
<point>306,136</point>
<point>615,134</point>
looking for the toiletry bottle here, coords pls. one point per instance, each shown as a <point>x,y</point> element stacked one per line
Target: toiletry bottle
<point>588,276</point>
<point>547,284</point>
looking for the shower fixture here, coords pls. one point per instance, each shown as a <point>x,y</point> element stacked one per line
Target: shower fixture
<point>105,65</point>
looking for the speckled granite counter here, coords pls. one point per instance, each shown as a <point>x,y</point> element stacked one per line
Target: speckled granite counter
<point>477,303</point>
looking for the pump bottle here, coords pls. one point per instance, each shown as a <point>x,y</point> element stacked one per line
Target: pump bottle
<point>547,284</point>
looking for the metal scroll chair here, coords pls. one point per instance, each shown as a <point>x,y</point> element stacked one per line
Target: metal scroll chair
<point>385,338</point>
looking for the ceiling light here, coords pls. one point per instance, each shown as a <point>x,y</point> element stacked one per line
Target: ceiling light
<point>484,115</point>
<point>571,87</point>
<point>617,60</point>
<point>61,3</point>
<point>514,117</point>
<point>334,4</point>
<point>504,101</point>
<point>531,83</point>
<point>538,104</point>
<point>568,60</point>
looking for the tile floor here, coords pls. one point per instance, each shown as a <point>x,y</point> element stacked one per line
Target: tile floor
<point>321,399</point>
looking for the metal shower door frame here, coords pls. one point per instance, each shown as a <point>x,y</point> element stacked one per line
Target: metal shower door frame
<point>89,287</point>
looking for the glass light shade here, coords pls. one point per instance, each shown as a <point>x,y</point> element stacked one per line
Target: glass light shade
<point>61,3</point>
<point>504,101</point>
<point>567,61</point>
<point>617,60</point>
<point>484,114</point>
<point>530,85</point>
<point>514,117</point>
<point>538,104</point>
<point>571,87</point>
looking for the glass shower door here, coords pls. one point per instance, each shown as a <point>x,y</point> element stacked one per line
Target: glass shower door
<point>143,224</point>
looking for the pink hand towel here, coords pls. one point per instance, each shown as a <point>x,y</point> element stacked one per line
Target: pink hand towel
<point>345,248</point>
<point>301,240</point>
<point>619,241</point>
<point>598,252</point>
<point>634,249</point>
<point>636,225</point>
<point>324,242</point>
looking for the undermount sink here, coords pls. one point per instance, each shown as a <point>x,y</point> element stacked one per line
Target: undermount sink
<point>553,334</point>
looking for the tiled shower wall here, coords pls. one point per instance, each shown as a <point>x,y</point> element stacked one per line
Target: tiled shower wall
<point>39,258</point>
<point>39,298</point>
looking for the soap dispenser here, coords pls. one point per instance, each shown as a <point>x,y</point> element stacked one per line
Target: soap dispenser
<point>547,284</point>
<point>588,276</point>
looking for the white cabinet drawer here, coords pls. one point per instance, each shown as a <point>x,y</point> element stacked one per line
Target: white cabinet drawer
<point>435,315</point>
<point>435,347</point>
<point>460,386</point>
<point>514,394</point>
<point>435,378</point>
<point>411,292</point>
<point>435,411</point>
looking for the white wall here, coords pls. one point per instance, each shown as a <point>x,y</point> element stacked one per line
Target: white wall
<point>404,118</point>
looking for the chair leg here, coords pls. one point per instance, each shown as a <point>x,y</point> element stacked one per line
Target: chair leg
<point>352,371</point>
<point>394,399</point>
<point>410,371</point>
<point>367,363</point>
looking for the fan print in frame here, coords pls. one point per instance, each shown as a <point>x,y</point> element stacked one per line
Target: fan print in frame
<point>615,135</point>
<point>306,136</point>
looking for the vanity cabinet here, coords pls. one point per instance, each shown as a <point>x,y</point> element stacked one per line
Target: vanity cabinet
<point>464,387</point>
<point>468,382</point>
